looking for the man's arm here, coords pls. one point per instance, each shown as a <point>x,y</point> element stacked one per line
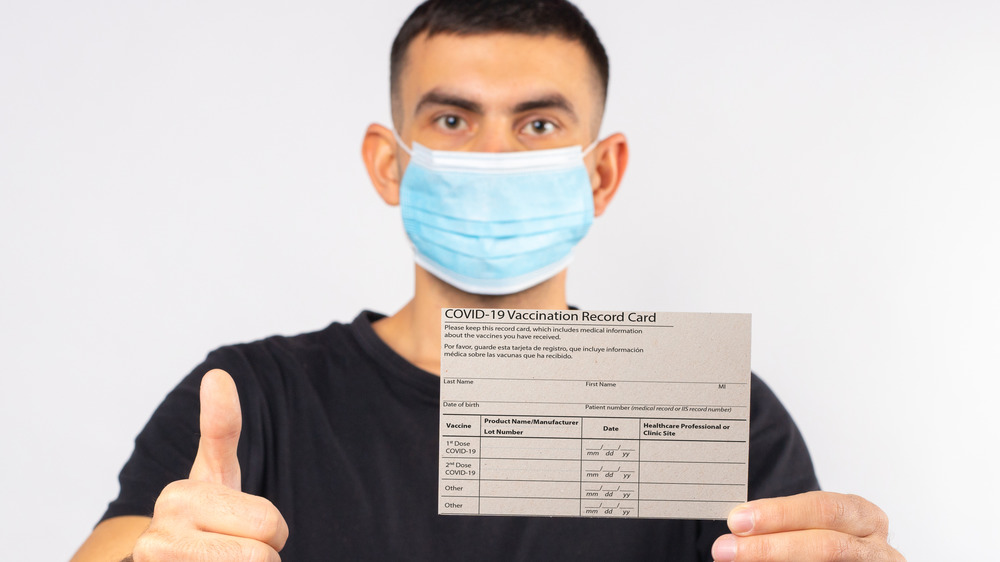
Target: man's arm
<point>112,540</point>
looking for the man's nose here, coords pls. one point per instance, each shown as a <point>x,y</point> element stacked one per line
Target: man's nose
<point>495,137</point>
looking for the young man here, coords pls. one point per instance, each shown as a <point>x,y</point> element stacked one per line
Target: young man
<point>338,454</point>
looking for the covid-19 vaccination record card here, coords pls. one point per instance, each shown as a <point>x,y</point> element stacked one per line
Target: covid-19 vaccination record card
<point>579,413</point>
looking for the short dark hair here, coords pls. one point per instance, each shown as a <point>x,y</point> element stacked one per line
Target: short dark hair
<point>474,17</point>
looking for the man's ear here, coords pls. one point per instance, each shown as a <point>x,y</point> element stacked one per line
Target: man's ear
<point>612,157</point>
<point>379,153</point>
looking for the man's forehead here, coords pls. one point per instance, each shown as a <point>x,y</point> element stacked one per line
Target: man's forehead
<point>498,69</point>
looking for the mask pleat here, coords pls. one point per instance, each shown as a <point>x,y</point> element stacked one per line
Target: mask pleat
<point>497,267</point>
<point>497,247</point>
<point>491,228</point>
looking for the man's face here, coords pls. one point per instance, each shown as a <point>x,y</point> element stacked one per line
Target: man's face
<point>497,92</point>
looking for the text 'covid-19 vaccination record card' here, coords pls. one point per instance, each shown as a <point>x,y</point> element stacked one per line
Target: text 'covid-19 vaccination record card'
<point>579,413</point>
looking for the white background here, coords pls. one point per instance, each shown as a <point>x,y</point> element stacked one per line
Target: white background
<point>179,175</point>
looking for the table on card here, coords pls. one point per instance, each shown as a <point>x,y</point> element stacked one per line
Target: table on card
<point>593,414</point>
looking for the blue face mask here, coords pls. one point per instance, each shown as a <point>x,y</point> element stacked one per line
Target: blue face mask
<point>495,223</point>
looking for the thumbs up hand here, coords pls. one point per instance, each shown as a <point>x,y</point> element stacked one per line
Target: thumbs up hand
<point>221,421</point>
<point>207,517</point>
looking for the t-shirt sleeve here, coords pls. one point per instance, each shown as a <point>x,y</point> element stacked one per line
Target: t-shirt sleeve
<point>780,464</point>
<point>165,448</point>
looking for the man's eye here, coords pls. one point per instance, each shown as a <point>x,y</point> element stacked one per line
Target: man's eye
<point>451,122</point>
<point>539,127</point>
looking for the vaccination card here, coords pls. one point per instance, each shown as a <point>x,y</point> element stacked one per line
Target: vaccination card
<point>577,413</point>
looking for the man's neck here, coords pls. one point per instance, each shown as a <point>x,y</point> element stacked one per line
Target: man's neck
<point>415,331</point>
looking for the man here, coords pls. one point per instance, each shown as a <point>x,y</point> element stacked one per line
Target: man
<point>338,453</point>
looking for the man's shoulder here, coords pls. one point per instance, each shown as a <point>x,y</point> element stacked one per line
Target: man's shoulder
<point>337,336</point>
<point>780,463</point>
<point>767,413</point>
<point>302,342</point>
<point>338,342</point>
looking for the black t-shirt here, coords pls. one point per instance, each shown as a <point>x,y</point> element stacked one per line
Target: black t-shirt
<point>341,434</point>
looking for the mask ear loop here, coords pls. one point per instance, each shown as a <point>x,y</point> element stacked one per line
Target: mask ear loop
<point>587,150</point>
<point>399,141</point>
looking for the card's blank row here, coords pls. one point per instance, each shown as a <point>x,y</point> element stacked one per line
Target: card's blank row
<point>597,449</point>
<point>587,508</point>
<point>604,471</point>
<point>593,491</point>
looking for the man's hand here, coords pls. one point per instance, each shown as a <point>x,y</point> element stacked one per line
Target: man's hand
<point>207,517</point>
<point>815,526</point>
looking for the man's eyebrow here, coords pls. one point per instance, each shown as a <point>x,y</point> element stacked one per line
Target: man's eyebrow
<point>551,101</point>
<point>437,97</point>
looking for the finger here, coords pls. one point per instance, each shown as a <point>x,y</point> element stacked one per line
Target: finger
<point>212,507</point>
<point>221,421</point>
<point>814,545</point>
<point>813,510</point>
<point>204,547</point>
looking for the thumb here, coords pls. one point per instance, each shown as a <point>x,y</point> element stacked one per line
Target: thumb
<point>221,421</point>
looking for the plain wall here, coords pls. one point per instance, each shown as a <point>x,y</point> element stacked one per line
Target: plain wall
<point>175,176</point>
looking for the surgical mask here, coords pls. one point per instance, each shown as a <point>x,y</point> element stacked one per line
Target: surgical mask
<point>495,223</point>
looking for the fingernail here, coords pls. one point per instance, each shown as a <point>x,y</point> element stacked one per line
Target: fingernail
<point>741,521</point>
<point>724,549</point>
